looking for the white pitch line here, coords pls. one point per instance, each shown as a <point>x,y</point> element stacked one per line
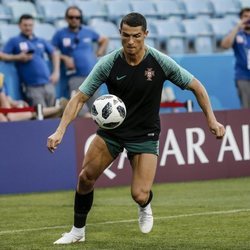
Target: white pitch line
<point>127,221</point>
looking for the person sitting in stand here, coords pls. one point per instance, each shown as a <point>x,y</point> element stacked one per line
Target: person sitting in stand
<point>7,102</point>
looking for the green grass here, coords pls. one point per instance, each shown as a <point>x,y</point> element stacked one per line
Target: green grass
<point>184,218</point>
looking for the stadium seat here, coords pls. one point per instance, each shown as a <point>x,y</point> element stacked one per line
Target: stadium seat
<point>244,3</point>
<point>170,35</point>
<point>108,29</point>
<point>7,31</point>
<point>220,27</point>
<point>60,23</point>
<point>44,30</point>
<point>19,8</point>
<point>176,46</point>
<point>113,44</point>
<point>92,9</point>
<point>225,7</point>
<point>168,8</point>
<point>5,13</point>
<point>117,9</point>
<point>232,19</point>
<point>167,28</point>
<point>194,8</point>
<point>204,45</point>
<point>52,9</point>
<point>147,8</point>
<point>195,28</point>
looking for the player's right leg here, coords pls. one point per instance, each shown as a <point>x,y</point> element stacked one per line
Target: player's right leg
<point>96,160</point>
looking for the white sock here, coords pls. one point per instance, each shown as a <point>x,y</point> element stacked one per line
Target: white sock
<point>77,231</point>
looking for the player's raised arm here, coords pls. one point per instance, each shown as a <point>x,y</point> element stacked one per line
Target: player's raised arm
<point>72,109</point>
<point>202,97</point>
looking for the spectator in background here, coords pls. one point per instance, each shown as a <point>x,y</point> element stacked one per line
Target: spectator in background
<point>7,102</point>
<point>239,40</point>
<point>75,43</point>
<point>28,51</point>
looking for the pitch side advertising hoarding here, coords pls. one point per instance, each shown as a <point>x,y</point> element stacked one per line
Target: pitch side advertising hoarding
<point>188,150</point>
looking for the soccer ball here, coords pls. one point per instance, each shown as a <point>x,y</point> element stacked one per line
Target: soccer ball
<point>108,111</point>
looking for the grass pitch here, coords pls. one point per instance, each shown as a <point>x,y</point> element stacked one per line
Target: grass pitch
<point>195,215</point>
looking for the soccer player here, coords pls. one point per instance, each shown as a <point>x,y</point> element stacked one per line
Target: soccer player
<point>136,74</point>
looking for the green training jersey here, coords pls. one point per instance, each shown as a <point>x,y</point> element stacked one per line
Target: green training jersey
<point>139,87</point>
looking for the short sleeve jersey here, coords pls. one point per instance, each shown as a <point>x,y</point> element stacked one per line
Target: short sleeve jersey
<point>36,71</point>
<point>78,45</point>
<point>140,89</point>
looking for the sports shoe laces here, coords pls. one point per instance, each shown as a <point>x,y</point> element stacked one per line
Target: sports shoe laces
<point>145,214</point>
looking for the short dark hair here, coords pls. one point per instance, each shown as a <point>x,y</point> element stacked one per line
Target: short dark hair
<point>247,9</point>
<point>134,19</point>
<point>25,17</point>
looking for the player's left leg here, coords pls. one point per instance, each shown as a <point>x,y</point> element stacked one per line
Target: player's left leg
<point>144,168</point>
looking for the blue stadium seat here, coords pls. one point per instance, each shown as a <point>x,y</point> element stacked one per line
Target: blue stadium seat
<point>197,27</point>
<point>225,7</point>
<point>7,31</point>
<point>195,8</point>
<point>44,30</point>
<point>168,28</point>
<point>52,9</point>
<point>108,29</point>
<point>169,8</point>
<point>5,14</point>
<point>204,45</point>
<point>19,8</point>
<point>92,9</point>
<point>113,44</point>
<point>170,35</point>
<point>60,23</point>
<point>117,9</point>
<point>176,46</point>
<point>220,27</point>
<point>151,41</point>
<point>147,8</point>
<point>244,3</point>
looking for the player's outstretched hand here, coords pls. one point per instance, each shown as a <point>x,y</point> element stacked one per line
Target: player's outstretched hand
<point>217,129</point>
<point>54,140</point>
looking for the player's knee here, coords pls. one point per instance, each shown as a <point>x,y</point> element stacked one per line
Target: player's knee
<point>86,181</point>
<point>140,196</point>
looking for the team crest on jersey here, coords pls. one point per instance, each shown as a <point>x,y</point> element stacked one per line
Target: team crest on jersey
<point>149,73</point>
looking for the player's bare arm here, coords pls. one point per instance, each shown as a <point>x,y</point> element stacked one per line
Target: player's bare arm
<point>72,109</point>
<point>202,97</point>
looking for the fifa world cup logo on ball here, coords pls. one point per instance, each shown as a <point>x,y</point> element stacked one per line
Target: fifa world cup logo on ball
<point>108,111</point>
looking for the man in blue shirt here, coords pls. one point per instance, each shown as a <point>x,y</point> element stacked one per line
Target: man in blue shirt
<point>27,51</point>
<point>75,43</point>
<point>239,40</point>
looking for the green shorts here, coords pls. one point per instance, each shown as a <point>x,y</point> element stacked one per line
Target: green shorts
<point>115,147</point>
